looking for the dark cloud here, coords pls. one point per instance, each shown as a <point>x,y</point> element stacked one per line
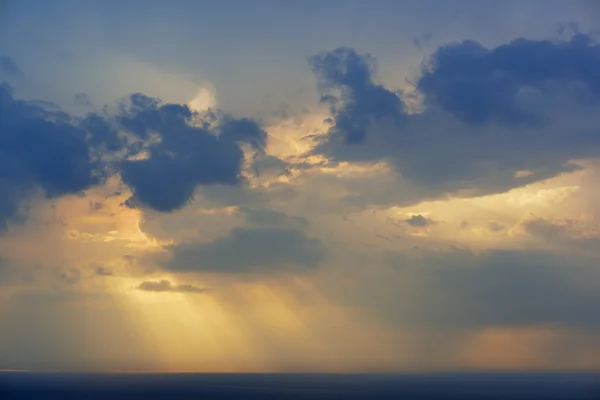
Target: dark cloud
<point>419,221</point>
<point>102,135</point>
<point>477,84</point>
<point>82,99</point>
<point>9,66</point>
<point>489,115</point>
<point>163,152</point>
<point>40,149</point>
<point>346,85</point>
<point>495,287</point>
<point>243,130</point>
<point>185,156</point>
<point>249,250</point>
<point>168,287</point>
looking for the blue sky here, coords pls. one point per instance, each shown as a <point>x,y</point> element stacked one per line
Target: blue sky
<point>253,52</point>
<point>324,186</point>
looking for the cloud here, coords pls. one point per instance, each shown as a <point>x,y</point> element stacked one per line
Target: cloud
<point>477,84</point>
<point>243,131</point>
<point>9,66</point>
<point>568,234</point>
<point>495,226</point>
<point>269,166</point>
<point>249,250</point>
<point>492,288</point>
<point>163,152</point>
<point>14,274</point>
<point>270,217</point>
<point>346,85</point>
<point>165,286</point>
<point>103,136</point>
<point>40,149</point>
<point>101,271</point>
<point>421,41</point>
<point>82,99</point>
<point>186,156</point>
<point>489,115</point>
<point>419,221</point>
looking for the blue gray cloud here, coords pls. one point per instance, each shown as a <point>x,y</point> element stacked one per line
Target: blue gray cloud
<point>346,84</point>
<point>40,149</point>
<point>489,114</point>
<point>247,250</point>
<point>186,156</point>
<point>44,148</point>
<point>478,85</point>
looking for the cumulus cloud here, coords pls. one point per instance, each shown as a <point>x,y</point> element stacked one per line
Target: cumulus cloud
<point>249,250</point>
<point>419,221</point>
<point>490,115</point>
<point>185,156</point>
<point>165,286</point>
<point>40,149</point>
<point>103,136</point>
<point>346,84</point>
<point>160,151</point>
<point>477,84</point>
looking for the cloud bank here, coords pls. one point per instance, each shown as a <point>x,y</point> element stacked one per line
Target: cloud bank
<point>384,227</point>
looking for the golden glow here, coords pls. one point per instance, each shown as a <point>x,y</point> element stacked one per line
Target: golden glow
<point>279,322</point>
<point>204,99</point>
<point>528,348</point>
<point>290,138</point>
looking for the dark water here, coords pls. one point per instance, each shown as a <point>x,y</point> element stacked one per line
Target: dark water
<point>301,386</point>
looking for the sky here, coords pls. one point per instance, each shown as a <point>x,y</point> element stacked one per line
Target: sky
<point>315,186</point>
